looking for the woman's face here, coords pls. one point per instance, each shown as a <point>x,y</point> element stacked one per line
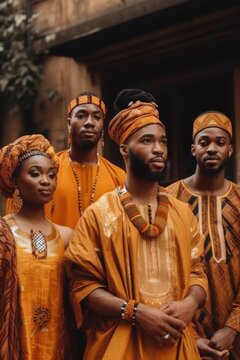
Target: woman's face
<point>37,180</point>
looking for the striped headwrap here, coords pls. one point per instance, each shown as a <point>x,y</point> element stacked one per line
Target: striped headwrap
<point>128,121</point>
<point>87,99</point>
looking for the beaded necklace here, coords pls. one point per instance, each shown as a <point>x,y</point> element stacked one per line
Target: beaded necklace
<point>79,190</point>
<point>147,229</point>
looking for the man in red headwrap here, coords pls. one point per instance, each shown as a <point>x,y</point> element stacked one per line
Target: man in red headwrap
<point>216,202</point>
<point>134,259</point>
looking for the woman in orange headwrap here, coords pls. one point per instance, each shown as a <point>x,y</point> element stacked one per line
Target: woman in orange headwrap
<point>28,173</point>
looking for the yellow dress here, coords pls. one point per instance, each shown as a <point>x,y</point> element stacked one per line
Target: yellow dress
<point>41,296</point>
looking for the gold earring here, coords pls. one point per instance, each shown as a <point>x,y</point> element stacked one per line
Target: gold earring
<point>17,201</point>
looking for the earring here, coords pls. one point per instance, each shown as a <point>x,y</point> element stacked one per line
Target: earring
<point>52,207</point>
<point>17,201</point>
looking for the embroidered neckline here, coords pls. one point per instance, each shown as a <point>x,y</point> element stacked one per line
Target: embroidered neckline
<point>143,226</point>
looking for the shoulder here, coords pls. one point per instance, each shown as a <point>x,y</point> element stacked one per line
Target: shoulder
<point>65,233</point>
<point>173,189</point>
<point>109,165</point>
<point>180,208</point>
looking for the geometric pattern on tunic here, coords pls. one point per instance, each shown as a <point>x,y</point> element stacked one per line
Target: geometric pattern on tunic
<point>218,215</point>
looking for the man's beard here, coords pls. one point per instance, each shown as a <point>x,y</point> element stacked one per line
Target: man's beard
<point>87,145</point>
<point>142,171</point>
<point>212,171</point>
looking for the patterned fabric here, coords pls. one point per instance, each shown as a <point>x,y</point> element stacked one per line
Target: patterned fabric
<point>129,120</point>
<point>11,154</point>
<point>143,226</point>
<point>9,324</point>
<point>219,221</point>
<point>41,301</point>
<point>212,119</point>
<point>87,99</point>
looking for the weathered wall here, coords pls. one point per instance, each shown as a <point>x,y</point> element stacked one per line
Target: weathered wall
<point>68,78</point>
<point>59,14</point>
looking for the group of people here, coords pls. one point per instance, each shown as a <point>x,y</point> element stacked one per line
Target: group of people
<point>148,272</point>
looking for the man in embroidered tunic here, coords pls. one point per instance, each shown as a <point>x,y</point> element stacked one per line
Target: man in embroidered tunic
<point>216,202</point>
<point>127,270</point>
<point>83,174</point>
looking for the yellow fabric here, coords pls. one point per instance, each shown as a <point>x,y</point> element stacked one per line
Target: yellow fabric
<point>41,285</point>
<point>105,251</point>
<point>129,120</point>
<point>212,119</point>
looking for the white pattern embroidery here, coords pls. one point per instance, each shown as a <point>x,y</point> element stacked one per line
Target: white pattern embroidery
<point>109,218</point>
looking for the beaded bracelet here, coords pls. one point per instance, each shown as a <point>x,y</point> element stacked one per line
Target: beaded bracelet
<point>129,310</point>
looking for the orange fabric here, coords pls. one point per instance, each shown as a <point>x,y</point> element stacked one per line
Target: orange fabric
<point>87,99</point>
<point>66,196</point>
<point>212,119</point>
<point>9,319</point>
<point>9,158</point>
<point>104,253</point>
<point>129,120</point>
<point>41,286</point>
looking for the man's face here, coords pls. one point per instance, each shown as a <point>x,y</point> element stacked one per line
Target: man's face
<point>85,125</point>
<point>147,152</point>
<point>212,149</point>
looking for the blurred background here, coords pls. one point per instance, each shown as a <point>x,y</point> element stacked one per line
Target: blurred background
<point>185,52</point>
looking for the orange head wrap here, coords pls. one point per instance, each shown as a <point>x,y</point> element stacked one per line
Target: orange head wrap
<point>87,99</point>
<point>13,154</point>
<point>212,119</point>
<point>129,120</point>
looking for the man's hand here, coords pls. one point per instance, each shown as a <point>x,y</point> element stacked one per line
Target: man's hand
<point>208,352</point>
<point>158,323</point>
<point>183,310</point>
<point>223,338</point>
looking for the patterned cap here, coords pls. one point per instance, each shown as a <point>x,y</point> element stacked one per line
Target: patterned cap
<point>87,99</point>
<point>212,119</point>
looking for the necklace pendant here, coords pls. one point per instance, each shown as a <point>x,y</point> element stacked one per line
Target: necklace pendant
<point>39,244</point>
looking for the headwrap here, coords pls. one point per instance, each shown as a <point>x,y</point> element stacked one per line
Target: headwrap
<point>87,99</point>
<point>128,121</point>
<point>212,119</point>
<point>13,154</point>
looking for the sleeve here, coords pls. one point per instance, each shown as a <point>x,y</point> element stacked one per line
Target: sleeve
<point>198,276</point>
<point>83,260</point>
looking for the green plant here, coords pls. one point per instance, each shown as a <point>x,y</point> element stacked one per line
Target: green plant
<point>20,71</point>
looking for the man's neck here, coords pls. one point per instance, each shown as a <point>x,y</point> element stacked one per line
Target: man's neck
<point>205,184</point>
<point>86,157</point>
<point>142,191</point>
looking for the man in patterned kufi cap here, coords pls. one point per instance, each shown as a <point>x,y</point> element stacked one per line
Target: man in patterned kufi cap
<point>212,119</point>
<point>216,202</point>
